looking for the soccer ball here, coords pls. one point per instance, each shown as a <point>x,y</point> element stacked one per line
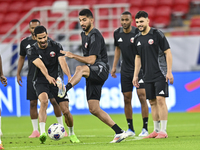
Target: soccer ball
<point>56,131</point>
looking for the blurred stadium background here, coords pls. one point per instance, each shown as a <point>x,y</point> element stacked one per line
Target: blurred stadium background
<point>178,19</point>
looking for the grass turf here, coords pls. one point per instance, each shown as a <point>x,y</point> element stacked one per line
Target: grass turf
<point>183,131</point>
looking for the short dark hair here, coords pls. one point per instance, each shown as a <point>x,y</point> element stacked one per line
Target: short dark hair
<point>39,29</point>
<point>34,20</point>
<point>127,13</point>
<point>141,14</point>
<point>86,12</point>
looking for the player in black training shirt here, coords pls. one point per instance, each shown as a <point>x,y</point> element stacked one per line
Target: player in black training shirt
<point>45,55</point>
<point>31,93</point>
<point>3,80</point>
<point>95,71</point>
<point>155,58</point>
<point>123,41</point>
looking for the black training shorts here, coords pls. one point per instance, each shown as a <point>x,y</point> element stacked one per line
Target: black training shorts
<point>98,75</point>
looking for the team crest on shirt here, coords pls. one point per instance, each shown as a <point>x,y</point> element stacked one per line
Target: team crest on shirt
<point>132,40</point>
<point>150,41</point>
<point>86,44</point>
<point>52,54</point>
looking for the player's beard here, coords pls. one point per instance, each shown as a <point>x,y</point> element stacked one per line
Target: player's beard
<point>144,28</point>
<point>86,29</point>
<point>42,44</point>
<point>126,26</point>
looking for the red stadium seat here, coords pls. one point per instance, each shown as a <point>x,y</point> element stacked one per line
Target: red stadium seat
<point>28,5</point>
<point>75,2</point>
<point>45,3</point>
<point>4,7</point>
<point>11,17</point>
<point>1,17</point>
<point>89,2</point>
<point>5,28</point>
<point>164,11</point>
<point>15,6</point>
<point>161,22</point>
<point>195,22</point>
<point>153,3</point>
<point>183,2</point>
<point>120,1</point>
<point>75,37</point>
<point>105,2</point>
<point>180,10</point>
<point>166,3</point>
<point>136,3</point>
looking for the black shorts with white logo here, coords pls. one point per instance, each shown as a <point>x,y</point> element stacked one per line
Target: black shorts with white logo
<point>126,81</point>
<point>31,93</point>
<point>157,88</point>
<point>49,88</point>
<point>98,75</point>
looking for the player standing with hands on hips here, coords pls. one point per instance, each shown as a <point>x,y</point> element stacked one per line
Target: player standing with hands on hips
<point>95,70</point>
<point>123,40</point>
<point>155,58</point>
<point>4,82</point>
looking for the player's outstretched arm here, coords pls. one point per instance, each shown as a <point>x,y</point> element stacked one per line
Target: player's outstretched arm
<point>115,61</point>
<point>38,63</point>
<point>87,60</point>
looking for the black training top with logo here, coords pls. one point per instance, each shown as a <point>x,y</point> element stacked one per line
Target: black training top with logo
<point>49,57</point>
<point>151,49</point>
<point>94,44</point>
<point>24,46</point>
<point>125,42</point>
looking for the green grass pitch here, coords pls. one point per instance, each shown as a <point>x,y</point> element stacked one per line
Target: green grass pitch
<point>183,131</point>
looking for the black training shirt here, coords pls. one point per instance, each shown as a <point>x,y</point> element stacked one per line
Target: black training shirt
<point>49,57</point>
<point>151,49</point>
<point>125,42</point>
<point>94,44</point>
<point>24,46</point>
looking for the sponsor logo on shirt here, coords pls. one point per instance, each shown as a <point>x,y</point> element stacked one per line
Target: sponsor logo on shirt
<point>52,54</point>
<point>86,44</point>
<point>132,40</point>
<point>120,40</point>
<point>138,44</point>
<point>150,41</point>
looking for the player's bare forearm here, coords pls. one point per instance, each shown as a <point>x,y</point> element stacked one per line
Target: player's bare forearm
<point>137,65</point>
<point>38,63</point>
<point>116,57</point>
<point>64,66</point>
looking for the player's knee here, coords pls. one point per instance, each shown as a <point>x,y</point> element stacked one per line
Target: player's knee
<point>66,112</point>
<point>142,98</point>
<point>127,100</point>
<point>161,101</point>
<point>152,102</point>
<point>93,111</point>
<point>33,104</point>
<point>79,69</point>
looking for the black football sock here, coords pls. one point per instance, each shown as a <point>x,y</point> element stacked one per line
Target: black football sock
<point>68,86</point>
<point>117,129</point>
<point>130,124</point>
<point>145,123</point>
